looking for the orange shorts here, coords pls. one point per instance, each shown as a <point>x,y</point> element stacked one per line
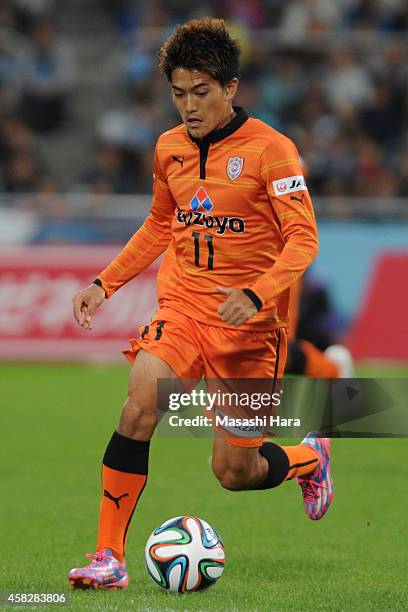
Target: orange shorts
<point>194,350</point>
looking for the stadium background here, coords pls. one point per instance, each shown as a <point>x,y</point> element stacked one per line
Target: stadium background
<point>81,104</point>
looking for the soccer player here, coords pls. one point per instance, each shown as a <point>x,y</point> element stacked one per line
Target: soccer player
<point>304,357</point>
<point>232,213</point>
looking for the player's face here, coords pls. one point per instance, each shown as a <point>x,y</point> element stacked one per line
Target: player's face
<point>203,103</point>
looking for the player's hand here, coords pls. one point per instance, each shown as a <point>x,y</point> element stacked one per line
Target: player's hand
<point>237,308</point>
<point>85,303</point>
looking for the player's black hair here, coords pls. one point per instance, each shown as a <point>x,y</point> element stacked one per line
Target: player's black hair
<point>204,45</point>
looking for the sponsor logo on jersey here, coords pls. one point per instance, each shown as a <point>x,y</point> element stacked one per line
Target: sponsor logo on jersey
<point>289,185</point>
<point>201,199</point>
<point>195,216</point>
<point>234,167</point>
<point>236,225</point>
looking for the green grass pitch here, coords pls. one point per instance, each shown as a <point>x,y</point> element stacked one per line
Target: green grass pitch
<point>56,420</point>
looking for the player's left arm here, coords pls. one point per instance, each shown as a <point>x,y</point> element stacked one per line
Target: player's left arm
<point>239,306</point>
<point>282,173</point>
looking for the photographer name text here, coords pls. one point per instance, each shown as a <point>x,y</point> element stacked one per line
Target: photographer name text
<point>257,423</point>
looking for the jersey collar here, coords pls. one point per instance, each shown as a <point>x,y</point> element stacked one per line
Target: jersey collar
<point>227,130</point>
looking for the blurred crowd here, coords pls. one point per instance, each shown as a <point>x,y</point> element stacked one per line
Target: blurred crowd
<point>333,75</point>
<point>37,72</point>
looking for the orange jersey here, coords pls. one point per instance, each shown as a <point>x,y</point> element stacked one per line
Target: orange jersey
<point>231,210</point>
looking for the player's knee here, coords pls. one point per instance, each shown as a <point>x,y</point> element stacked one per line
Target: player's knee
<point>138,419</point>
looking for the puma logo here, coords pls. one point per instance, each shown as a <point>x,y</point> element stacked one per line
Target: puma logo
<point>180,160</point>
<point>298,199</point>
<point>115,500</point>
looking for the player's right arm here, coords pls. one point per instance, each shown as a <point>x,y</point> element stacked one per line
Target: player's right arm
<point>144,247</point>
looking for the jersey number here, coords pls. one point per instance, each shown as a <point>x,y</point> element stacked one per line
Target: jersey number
<point>209,241</point>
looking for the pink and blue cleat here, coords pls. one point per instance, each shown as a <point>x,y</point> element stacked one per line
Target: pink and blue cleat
<point>105,572</point>
<point>317,487</point>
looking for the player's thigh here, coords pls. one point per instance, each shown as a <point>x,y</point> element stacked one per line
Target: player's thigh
<point>146,370</point>
<point>141,402</point>
<point>238,461</point>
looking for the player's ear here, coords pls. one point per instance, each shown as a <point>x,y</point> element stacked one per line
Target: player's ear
<point>231,88</point>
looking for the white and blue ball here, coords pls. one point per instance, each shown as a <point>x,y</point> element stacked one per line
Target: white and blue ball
<point>185,554</point>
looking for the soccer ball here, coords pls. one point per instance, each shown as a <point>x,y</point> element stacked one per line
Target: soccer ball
<point>184,554</point>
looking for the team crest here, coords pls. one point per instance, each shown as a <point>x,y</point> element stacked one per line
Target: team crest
<point>234,167</point>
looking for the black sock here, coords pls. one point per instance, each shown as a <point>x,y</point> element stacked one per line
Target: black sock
<point>278,465</point>
<point>124,476</point>
<point>127,455</point>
